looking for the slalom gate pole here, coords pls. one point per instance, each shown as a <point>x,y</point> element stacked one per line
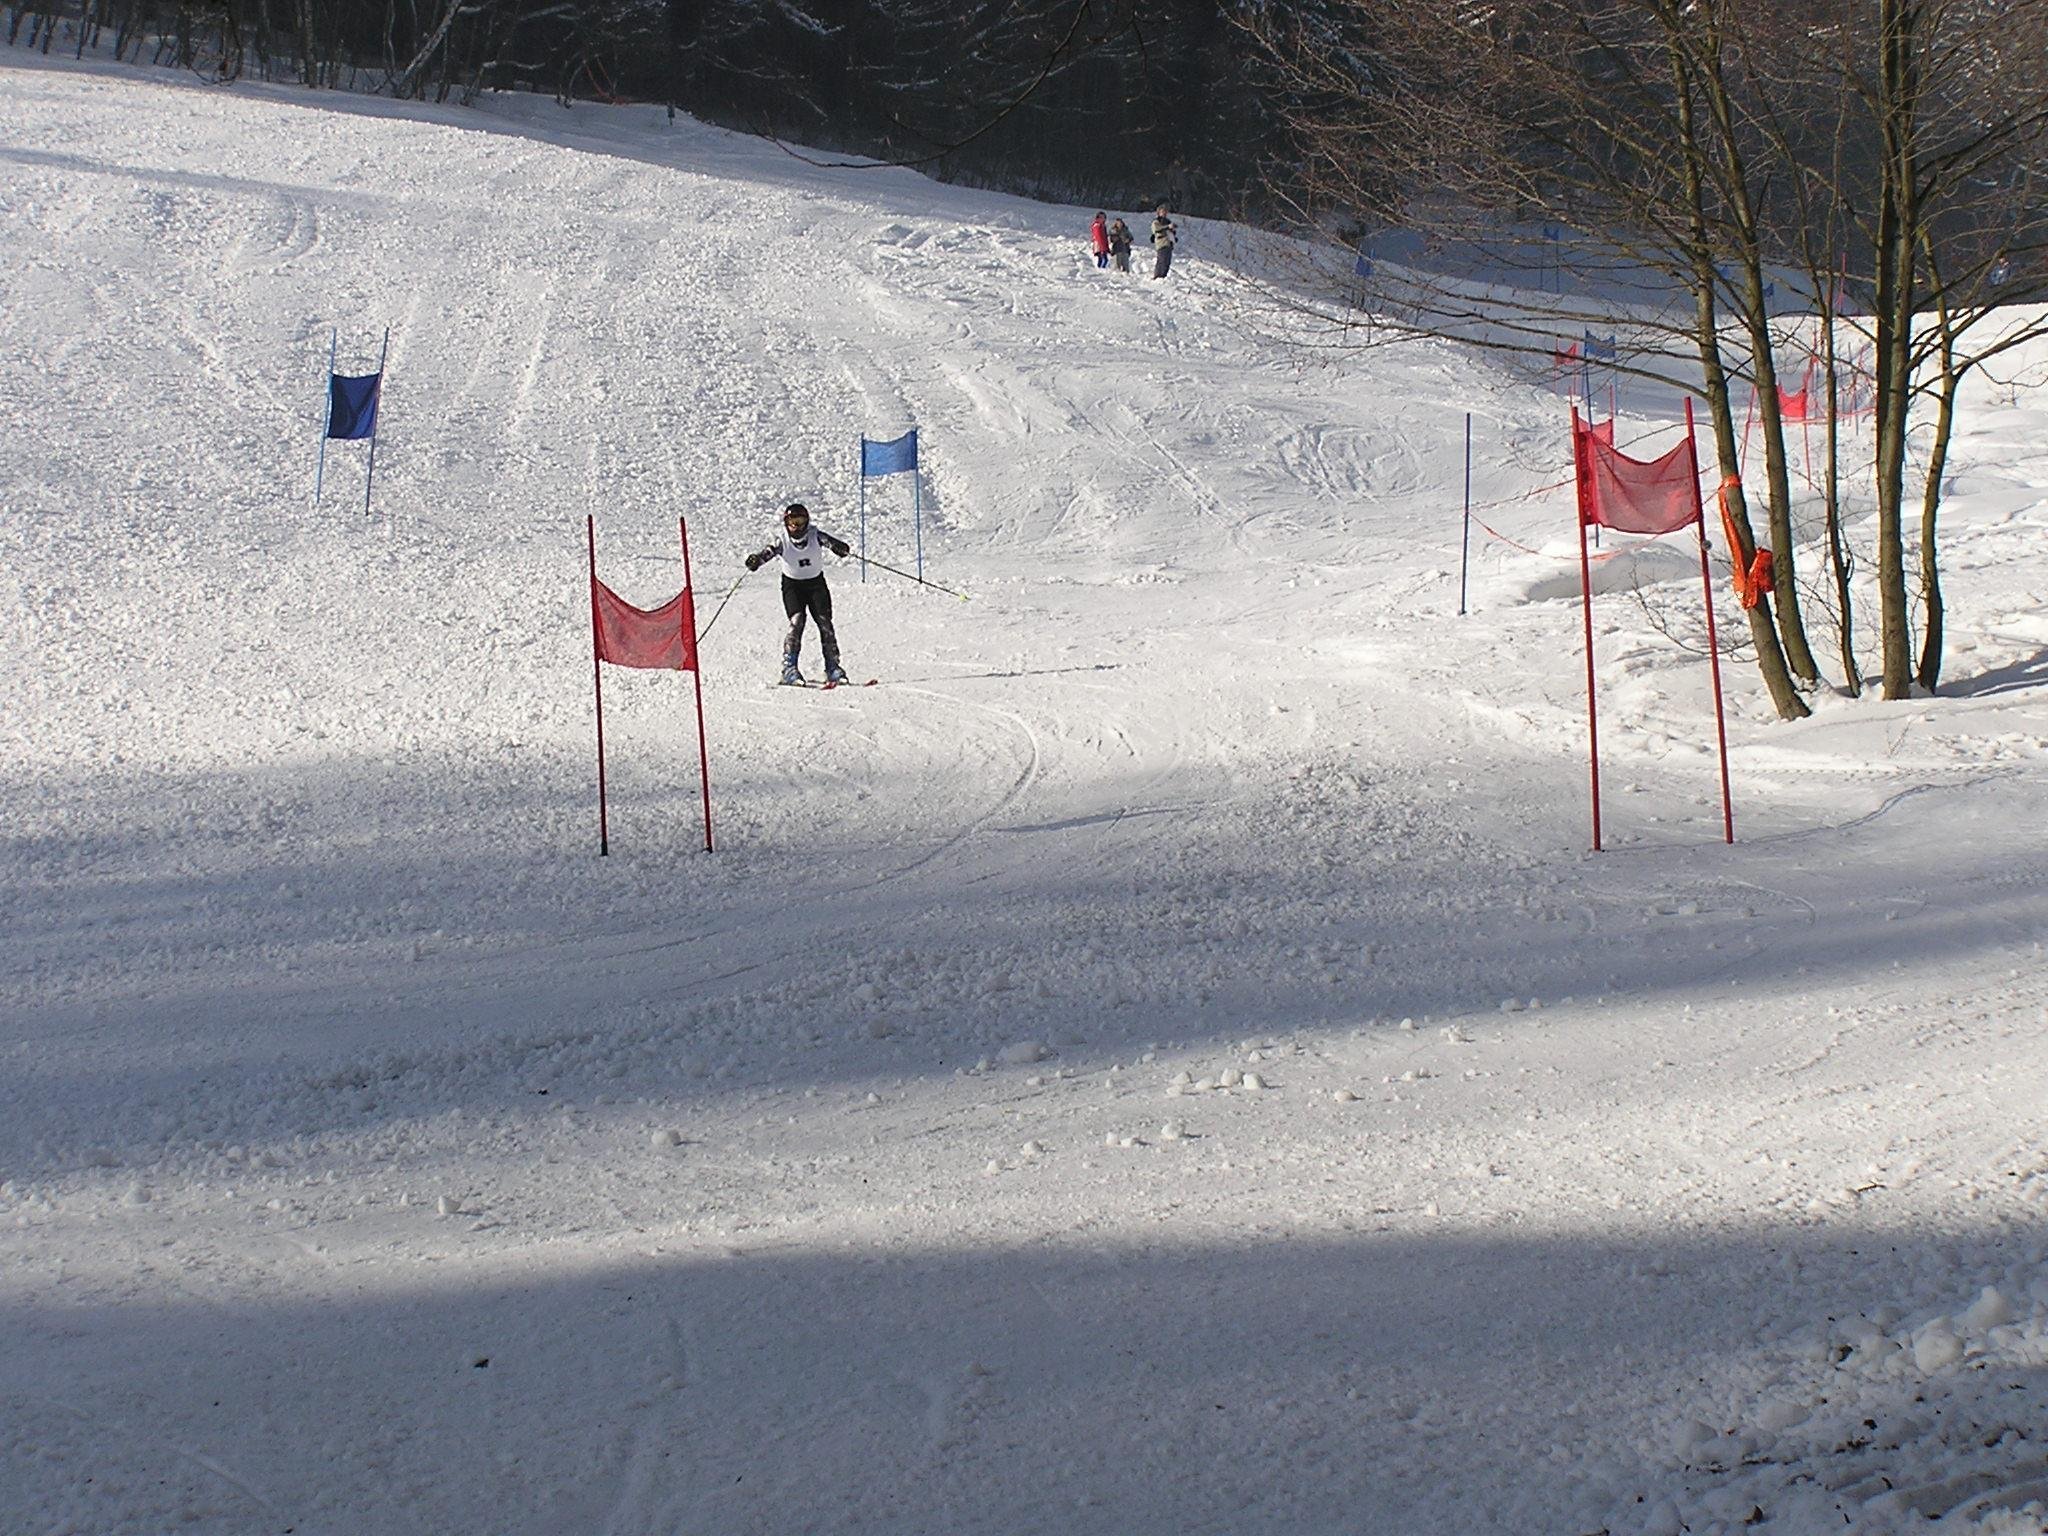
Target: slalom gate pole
<point>892,570</point>
<point>1465,548</point>
<point>326,413</point>
<point>604,842</point>
<point>376,421</point>
<point>743,575</point>
<point>1586,587</point>
<point>1713,640</point>
<point>697,676</point>
<point>863,508</point>
<point>917,514</point>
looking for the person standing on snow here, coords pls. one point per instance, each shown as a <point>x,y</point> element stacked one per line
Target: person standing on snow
<point>1120,244</point>
<point>1163,236</point>
<point>802,548</point>
<point>1098,237</point>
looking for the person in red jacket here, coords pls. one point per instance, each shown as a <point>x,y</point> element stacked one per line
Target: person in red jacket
<point>1098,236</point>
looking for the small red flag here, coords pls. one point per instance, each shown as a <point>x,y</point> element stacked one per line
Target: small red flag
<point>643,637</point>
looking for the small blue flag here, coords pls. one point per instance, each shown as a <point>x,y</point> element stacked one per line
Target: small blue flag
<point>352,405</point>
<point>1363,265</point>
<point>1552,232</point>
<point>888,458</point>
<point>1602,350</point>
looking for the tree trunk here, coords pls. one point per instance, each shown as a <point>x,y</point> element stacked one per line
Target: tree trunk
<point>1770,656</point>
<point>1897,229</point>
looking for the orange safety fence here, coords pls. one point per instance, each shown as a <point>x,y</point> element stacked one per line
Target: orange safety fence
<point>1752,583</point>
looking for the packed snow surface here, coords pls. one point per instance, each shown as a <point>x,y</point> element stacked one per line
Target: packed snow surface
<point>1163,1061</point>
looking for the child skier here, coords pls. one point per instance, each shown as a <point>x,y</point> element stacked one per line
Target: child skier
<point>802,549</point>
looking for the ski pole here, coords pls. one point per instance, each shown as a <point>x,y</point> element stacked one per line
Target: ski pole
<point>743,575</point>
<point>881,566</point>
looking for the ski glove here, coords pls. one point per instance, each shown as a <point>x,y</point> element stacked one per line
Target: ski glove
<point>753,562</point>
<point>839,547</point>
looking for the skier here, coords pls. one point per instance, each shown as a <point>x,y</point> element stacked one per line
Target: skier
<point>1163,236</point>
<point>802,548</point>
<point>1120,244</point>
<point>1098,238</point>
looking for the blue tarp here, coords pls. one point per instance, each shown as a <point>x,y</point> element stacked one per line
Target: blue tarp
<point>888,458</point>
<point>352,405</point>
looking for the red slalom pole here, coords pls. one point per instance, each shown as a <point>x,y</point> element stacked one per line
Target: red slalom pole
<point>604,846</point>
<point>697,675</point>
<point>1713,640</point>
<point>1586,588</point>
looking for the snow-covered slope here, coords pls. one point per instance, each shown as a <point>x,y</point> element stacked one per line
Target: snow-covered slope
<point>1162,1061</point>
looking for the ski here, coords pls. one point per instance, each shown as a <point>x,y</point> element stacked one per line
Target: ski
<point>849,683</point>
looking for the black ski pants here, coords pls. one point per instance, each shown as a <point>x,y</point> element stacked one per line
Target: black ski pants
<point>814,598</point>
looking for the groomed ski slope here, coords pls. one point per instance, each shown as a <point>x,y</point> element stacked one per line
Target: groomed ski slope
<point>1163,1062</point>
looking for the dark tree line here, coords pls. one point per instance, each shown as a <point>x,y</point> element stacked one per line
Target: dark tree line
<point>1093,100</point>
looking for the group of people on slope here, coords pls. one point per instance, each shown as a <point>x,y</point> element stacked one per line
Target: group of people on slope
<point>1111,239</point>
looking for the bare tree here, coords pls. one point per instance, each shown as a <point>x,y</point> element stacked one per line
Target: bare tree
<point>1701,151</point>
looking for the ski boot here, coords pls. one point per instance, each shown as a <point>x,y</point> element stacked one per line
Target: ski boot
<point>791,678</point>
<point>834,676</point>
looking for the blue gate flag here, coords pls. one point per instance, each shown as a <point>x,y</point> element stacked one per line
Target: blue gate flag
<point>1601,349</point>
<point>888,458</point>
<point>352,405</point>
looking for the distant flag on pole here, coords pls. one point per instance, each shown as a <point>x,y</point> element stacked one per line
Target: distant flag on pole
<point>352,405</point>
<point>891,458</point>
<point>895,457</point>
<point>352,402</point>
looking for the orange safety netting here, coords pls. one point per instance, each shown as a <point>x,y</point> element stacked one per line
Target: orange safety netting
<point>1753,583</point>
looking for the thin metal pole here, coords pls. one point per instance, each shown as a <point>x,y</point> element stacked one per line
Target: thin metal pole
<point>326,413</point>
<point>892,570</point>
<point>743,575</point>
<point>376,420</point>
<point>1713,639</point>
<point>1579,468</point>
<point>863,507</point>
<point>697,673</point>
<point>917,503</point>
<point>604,842</point>
<point>1465,551</point>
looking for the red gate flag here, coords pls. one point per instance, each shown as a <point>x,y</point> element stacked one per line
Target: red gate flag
<point>1634,495</point>
<point>625,636</point>
<point>644,637</point>
<point>1651,496</point>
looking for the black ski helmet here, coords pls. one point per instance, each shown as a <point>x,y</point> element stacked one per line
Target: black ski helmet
<point>794,511</point>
